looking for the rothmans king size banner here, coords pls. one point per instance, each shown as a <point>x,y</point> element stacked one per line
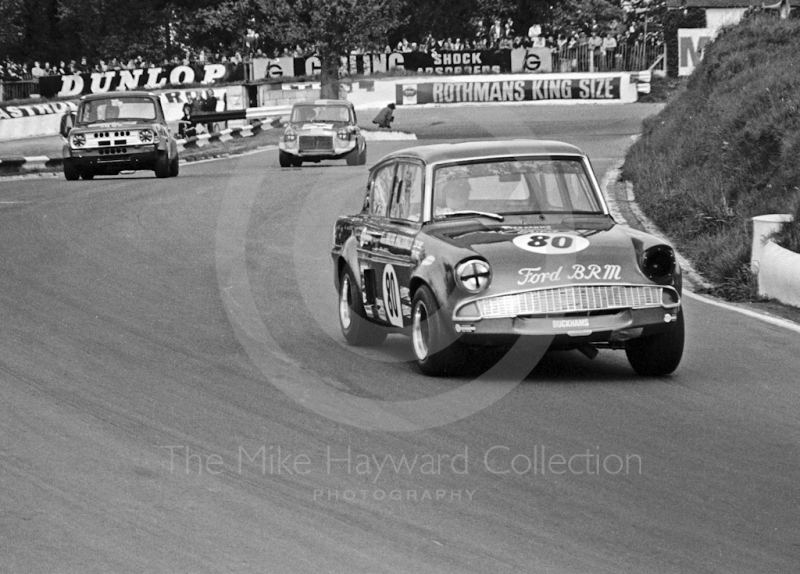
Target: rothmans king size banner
<point>589,88</point>
<point>138,79</point>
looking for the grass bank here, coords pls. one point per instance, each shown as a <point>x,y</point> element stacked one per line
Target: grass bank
<point>724,150</point>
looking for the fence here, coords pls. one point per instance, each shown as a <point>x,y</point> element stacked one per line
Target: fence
<point>20,90</point>
<point>623,58</point>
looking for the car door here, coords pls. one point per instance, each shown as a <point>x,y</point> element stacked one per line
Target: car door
<point>369,231</point>
<point>398,241</point>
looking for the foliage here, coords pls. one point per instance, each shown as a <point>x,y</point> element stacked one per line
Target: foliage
<point>724,150</point>
<point>334,28</point>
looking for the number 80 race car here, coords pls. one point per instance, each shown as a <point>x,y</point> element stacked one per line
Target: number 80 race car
<point>481,243</point>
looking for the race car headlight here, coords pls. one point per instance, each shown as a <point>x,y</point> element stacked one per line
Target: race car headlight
<point>146,136</point>
<point>474,275</point>
<point>658,263</point>
<point>290,136</point>
<point>79,140</point>
<point>343,134</point>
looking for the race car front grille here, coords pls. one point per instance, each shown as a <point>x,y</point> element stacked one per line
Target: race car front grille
<point>570,300</point>
<point>316,143</point>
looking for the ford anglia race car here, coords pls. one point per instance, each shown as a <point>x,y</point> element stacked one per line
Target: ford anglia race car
<point>321,130</point>
<point>484,242</point>
<point>119,131</point>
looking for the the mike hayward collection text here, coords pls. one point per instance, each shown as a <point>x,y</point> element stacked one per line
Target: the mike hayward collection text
<point>499,460</point>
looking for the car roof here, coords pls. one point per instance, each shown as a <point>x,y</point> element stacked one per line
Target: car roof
<point>105,95</point>
<point>477,149</point>
<point>325,103</point>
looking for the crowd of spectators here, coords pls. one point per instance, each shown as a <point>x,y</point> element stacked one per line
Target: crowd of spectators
<point>605,44</point>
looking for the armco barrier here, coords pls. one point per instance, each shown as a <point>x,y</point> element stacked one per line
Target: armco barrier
<point>777,269</point>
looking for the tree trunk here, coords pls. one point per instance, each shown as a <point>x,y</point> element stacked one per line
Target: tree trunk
<point>329,77</point>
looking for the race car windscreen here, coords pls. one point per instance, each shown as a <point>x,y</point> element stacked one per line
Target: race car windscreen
<point>117,108</point>
<point>515,186</point>
<point>320,114</point>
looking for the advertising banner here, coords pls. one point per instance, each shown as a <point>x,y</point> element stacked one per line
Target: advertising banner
<point>691,42</point>
<point>589,88</point>
<point>138,79</point>
<point>532,60</point>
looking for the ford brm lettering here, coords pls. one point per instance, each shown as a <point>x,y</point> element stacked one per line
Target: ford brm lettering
<point>480,243</point>
<point>119,131</point>
<point>321,130</point>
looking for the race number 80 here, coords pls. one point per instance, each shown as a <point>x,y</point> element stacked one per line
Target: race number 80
<point>551,243</point>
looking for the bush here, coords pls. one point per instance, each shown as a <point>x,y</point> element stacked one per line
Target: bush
<point>724,150</point>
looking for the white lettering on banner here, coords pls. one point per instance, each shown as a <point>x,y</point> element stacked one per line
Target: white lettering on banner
<point>595,88</point>
<point>396,61</point>
<point>313,66</point>
<point>213,72</point>
<point>129,79</point>
<point>71,86</point>
<point>101,82</point>
<point>181,75</point>
<point>152,78</point>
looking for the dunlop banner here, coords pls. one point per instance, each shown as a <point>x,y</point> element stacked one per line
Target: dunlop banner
<point>588,88</point>
<point>138,79</point>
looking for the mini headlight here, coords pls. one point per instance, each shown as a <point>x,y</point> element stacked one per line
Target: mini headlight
<point>146,136</point>
<point>343,134</point>
<point>79,140</point>
<point>658,263</point>
<point>474,275</point>
<point>290,136</point>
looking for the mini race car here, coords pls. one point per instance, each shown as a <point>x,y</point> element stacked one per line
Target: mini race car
<point>113,132</point>
<point>481,243</point>
<point>320,130</point>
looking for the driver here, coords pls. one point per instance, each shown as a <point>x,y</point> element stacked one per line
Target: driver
<point>453,196</point>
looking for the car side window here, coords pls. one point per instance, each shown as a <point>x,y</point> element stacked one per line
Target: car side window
<point>407,196</point>
<point>382,190</point>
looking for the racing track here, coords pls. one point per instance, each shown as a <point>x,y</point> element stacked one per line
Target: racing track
<point>149,325</point>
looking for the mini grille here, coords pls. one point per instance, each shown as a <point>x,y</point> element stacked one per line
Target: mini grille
<point>309,143</point>
<point>570,300</point>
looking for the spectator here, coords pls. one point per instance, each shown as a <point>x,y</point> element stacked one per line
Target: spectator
<point>208,106</point>
<point>608,50</point>
<point>385,117</point>
<point>37,71</point>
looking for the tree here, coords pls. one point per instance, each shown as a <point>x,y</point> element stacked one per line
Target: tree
<point>333,28</point>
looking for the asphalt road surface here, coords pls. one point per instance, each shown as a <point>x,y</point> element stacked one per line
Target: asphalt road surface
<point>176,397</point>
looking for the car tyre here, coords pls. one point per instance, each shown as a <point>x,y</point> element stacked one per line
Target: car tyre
<point>297,162</point>
<point>362,158</point>
<point>659,354</point>
<point>354,157</point>
<point>436,349</point>
<point>162,165</point>
<point>71,171</point>
<point>87,173</point>
<point>285,159</point>
<point>174,167</point>
<point>356,328</point>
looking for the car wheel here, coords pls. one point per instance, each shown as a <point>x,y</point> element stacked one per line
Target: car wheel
<point>660,354</point>
<point>285,159</point>
<point>87,173</point>
<point>174,167</point>
<point>353,158</point>
<point>162,164</point>
<point>362,159</point>
<point>435,346</point>
<point>71,171</point>
<point>356,328</point>
<point>297,162</point>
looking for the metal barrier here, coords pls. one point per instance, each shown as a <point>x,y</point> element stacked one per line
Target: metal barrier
<point>20,90</point>
<point>623,58</point>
